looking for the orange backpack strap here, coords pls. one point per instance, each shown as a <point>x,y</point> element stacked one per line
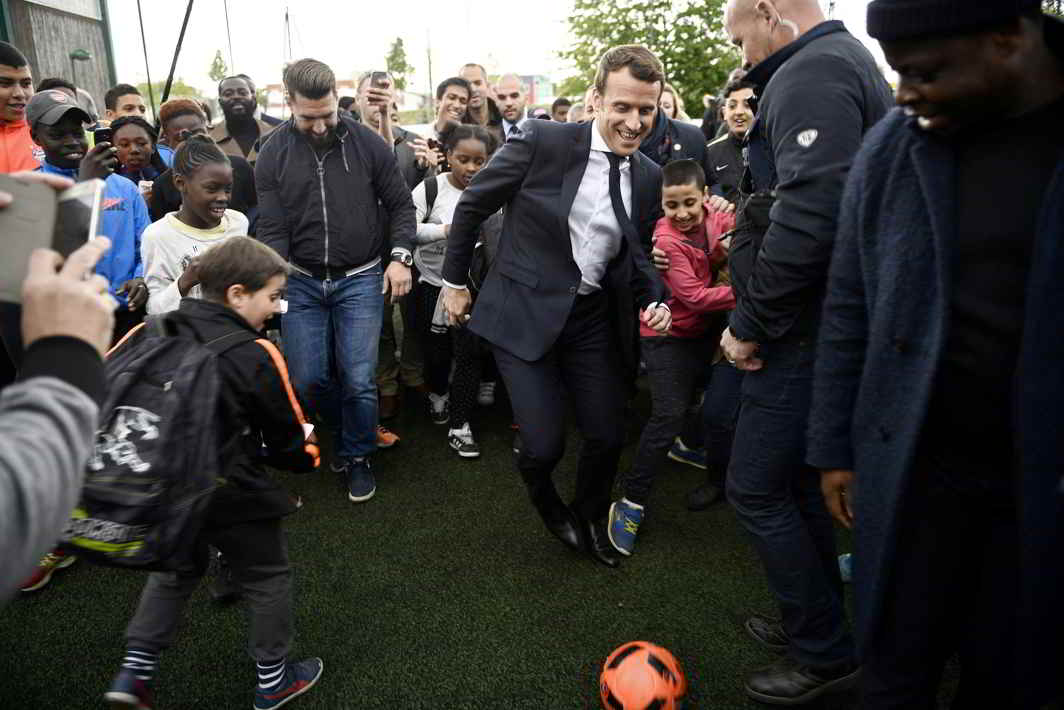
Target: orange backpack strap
<point>282,368</point>
<point>122,342</point>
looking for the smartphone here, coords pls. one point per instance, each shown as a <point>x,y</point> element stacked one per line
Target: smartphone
<point>77,216</point>
<point>38,218</point>
<point>102,135</point>
<point>379,80</point>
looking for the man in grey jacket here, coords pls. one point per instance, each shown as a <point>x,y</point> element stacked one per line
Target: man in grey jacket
<point>48,417</point>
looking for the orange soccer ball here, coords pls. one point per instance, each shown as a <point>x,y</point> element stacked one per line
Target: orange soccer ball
<point>642,676</point>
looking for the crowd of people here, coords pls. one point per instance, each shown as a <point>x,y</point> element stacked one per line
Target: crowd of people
<point>844,313</point>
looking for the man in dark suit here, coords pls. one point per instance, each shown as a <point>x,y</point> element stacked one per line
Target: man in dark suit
<point>572,272</point>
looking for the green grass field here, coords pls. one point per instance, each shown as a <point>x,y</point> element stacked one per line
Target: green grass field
<point>444,591</point>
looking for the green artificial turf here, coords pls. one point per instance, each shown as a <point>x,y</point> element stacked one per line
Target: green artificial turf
<point>443,591</point>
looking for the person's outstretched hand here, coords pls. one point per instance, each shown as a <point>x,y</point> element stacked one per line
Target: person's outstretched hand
<point>71,302</point>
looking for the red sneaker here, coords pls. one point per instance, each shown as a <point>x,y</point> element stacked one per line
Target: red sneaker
<point>56,559</point>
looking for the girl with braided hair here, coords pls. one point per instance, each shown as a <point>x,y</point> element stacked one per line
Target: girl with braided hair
<point>171,246</point>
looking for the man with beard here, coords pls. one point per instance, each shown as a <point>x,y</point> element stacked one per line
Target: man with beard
<point>561,303</point>
<point>819,91</point>
<point>482,109</point>
<point>240,133</point>
<point>937,419</point>
<point>511,97</point>
<point>333,203</point>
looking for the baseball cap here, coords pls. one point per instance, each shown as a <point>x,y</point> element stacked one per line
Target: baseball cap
<point>49,107</point>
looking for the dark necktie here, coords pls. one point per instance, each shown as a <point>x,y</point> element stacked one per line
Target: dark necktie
<point>513,131</point>
<point>627,228</point>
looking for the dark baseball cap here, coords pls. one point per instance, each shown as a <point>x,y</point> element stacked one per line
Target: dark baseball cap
<point>49,107</point>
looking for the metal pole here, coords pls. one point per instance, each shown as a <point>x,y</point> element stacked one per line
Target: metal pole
<point>177,51</point>
<point>147,70</point>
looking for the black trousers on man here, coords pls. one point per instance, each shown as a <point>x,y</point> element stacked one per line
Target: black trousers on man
<point>583,369</point>
<point>953,589</point>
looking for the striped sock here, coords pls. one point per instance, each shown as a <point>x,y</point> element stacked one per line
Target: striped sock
<point>270,674</point>
<point>141,662</point>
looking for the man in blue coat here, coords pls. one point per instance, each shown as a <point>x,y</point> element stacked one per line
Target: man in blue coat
<point>937,415</point>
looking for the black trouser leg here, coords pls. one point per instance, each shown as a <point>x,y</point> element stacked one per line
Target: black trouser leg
<point>672,368</point>
<point>952,587</point>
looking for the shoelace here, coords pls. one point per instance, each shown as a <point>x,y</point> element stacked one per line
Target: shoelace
<point>630,525</point>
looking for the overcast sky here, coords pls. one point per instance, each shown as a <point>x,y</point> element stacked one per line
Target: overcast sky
<point>352,37</point>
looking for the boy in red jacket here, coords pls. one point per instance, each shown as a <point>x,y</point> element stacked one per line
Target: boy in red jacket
<point>688,234</point>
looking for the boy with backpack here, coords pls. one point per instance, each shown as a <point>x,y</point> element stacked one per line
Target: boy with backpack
<point>258,422</point>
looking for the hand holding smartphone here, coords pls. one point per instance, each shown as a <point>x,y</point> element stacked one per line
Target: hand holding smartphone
<point>39,218</point>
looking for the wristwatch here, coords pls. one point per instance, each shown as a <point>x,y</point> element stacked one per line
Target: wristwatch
<point>403,257</point>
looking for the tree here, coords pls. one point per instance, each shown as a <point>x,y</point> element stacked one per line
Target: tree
<point>397,65</point>
<point>686,35</point>
<point>178,89</point>
<point>219,70</point>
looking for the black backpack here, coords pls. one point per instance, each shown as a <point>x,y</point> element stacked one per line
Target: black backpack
<point>157,455</point>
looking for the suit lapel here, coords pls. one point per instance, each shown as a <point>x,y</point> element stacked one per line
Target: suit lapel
<point>575,164</point>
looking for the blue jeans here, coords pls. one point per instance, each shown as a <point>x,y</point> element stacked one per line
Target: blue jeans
<point>777,498</point>
<point>331,332</point>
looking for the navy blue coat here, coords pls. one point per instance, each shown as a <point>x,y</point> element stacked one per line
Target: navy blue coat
<point>883,332</point>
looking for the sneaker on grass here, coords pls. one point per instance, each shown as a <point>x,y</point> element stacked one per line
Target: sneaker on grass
<point>360,482</point>
<point>623,526</point>
<point>486,394</point>
<point>128,692</point>
<point>54,560</point>
<point>439,408</point>
<point>461,440</point>
<point>682,454</point>
<point>298,679</point>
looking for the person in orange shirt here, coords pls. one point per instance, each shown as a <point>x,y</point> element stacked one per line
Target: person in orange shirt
<point>17,150</point>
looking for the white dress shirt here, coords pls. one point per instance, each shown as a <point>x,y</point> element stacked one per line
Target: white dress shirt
<point>594,232</point>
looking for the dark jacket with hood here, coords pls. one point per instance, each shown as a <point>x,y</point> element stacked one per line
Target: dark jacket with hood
<point>331,214</point>
<point>671,140</point>
<point>258,421</point>
<point>819,95</point>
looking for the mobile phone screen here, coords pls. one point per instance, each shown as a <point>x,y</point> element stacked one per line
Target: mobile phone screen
<point>77,216</point>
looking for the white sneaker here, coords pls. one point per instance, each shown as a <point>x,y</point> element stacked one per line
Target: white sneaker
<point>486,395</point>
<point>461,440</point>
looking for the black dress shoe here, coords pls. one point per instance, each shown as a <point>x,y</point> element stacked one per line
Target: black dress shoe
<point>791,683</point>
<point>597,543</point>
<point>557,517</point>
<point>768,632</point>
<point>702,497</point>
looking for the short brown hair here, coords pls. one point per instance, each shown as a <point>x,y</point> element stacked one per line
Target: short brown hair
<point>309,78</point>
<point>641,62</point>
<point>238,260</point>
